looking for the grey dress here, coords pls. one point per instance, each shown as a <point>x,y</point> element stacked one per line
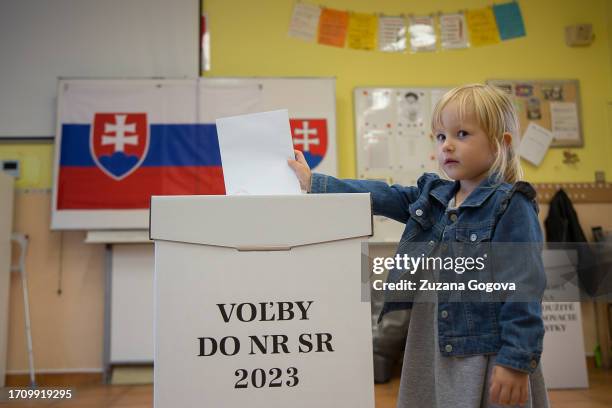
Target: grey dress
<point>432,380</point>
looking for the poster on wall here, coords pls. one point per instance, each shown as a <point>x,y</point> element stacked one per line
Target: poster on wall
<point>121,141</point>
<point>394,141</point>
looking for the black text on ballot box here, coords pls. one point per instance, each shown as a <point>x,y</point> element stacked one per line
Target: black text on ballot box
<point>258,301</point>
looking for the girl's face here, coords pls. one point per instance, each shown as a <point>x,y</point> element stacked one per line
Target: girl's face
<point>464,150</point>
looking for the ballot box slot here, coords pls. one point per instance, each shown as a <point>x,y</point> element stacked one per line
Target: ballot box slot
<point>266,248</point>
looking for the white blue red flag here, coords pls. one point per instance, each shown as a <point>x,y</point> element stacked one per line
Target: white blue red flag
<point>120,159</point>
<point>121,144</point>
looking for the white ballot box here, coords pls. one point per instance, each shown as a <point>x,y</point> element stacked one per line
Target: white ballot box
<point>258,301</point>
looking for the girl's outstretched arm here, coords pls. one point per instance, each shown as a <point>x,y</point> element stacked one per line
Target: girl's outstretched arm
<point>389,201</point>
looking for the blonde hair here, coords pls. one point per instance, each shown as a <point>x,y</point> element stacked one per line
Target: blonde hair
<point>494,114</point>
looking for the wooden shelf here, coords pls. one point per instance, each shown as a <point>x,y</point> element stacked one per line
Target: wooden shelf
<point>579,193</point>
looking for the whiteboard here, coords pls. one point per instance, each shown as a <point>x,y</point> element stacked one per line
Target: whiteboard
<point>305,98</point>
<point>394,141</point>
<point>46,40</point>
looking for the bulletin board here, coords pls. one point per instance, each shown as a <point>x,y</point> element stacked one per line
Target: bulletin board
<point>552,104</point>
<point>394,140</point>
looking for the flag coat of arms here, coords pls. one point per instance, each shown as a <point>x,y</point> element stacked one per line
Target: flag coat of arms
<point>310,137</point>
<point>119,142</point>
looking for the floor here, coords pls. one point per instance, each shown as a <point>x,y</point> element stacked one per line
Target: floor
<point>599,395</point>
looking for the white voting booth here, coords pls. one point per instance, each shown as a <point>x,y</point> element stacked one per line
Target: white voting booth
<point>258,301</point>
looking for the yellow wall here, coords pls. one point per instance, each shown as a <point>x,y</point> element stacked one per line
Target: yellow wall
<point>67,327</point>
<point>609,16</point>
<point>254,42</point>
<point>36,163</point>
<point>249,38</point>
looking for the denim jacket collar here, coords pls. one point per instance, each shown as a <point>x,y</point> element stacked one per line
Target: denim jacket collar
<point>445,191</point>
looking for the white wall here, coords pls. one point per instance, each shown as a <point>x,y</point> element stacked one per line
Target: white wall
<point>41,40</point>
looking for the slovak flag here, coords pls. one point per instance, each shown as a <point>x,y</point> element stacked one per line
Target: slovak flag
<point>122,143</point>
<point>120,160</point>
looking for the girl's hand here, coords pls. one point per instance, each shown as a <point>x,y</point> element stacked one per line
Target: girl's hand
<point>508,386</point>
<point>301,169</point>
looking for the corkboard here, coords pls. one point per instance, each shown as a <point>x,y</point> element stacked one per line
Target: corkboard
<point>534,101</point>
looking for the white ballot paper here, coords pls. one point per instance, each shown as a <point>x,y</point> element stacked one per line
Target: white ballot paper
<point>535,143</point>
<point>254,152</point>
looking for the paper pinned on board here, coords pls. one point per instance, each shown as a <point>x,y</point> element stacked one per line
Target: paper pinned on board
<point>535,143</point>
<point>564,119</point>
<point>254,152</point>
<point>377,151</point>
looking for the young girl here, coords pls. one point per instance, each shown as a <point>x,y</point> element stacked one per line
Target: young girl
<point>465,354</point>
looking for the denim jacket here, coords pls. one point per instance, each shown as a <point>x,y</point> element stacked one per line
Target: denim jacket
<point>493,212</point>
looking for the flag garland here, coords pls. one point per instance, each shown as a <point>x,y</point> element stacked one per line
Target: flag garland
<point>423,33</point>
